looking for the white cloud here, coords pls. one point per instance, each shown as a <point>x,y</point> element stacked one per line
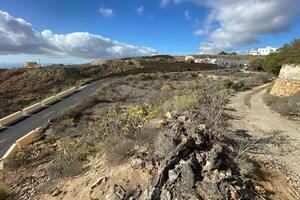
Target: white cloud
<point>164,3</point>
<point>18,37</point>
<point>235,23</point>
<point>187,15</point>
<point>232,23</point>
<point>140,10</point>
<point>106,12</point>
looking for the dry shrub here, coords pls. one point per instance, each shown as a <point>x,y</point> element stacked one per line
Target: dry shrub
<point>213,99</point>
<point>246,168</point>
<point>144,77</point>
<point>144,137</point>
<point>235,85</point>
<point>246,144</point>
<point>256,79</point>
<point>69,160</point>
<point>21,158</point>
<point>118,150</point>
<point>76,111</point>
<point>286,106</point>
<point>241,81</point>
<point>68,117</point>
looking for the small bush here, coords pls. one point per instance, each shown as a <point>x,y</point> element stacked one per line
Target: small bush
<point>69,160</point>
<point>163,76</point>
<point>144,77</point>
<point>76,111</point>
<point>286,106</point>
<point>144,137</point>
<point>256,63</point>
<point>131,63</point>
<point>212,101</point>
<point>118,150</point>
<point>181,102</point>
<point>246,168</point>
<point>234,85</point>
<point>21,158</point>
<point>4,192</point>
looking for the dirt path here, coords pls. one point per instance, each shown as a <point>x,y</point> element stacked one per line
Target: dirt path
<point>252,116</point>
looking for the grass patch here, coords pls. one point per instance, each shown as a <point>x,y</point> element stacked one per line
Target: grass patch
<point>180,103</point>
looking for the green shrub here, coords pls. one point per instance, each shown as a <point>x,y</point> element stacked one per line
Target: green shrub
<point>234,85</point>
<point>163,76</point>
<point>256,63</point>
<point>131,63</point>
<point>144,77</point>
<point>4,192</point>
<point>180,102</point>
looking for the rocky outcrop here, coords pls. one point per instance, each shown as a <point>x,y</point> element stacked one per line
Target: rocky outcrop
<point>288,82</point>
<point>198,167</point>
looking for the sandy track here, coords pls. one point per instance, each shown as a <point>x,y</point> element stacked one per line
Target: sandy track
<point>256,119</point>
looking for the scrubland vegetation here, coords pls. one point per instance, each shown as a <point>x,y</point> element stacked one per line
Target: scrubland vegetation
<point>134,120</point>
<point>23,87</point>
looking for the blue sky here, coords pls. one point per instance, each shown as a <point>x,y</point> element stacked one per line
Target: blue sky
<point>117,28</point>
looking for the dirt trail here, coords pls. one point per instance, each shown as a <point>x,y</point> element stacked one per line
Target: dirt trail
<point>252,116</point>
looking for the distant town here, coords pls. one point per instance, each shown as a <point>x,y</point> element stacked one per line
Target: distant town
<point>222,59</point>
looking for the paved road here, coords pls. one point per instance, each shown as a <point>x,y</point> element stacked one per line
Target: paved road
<point>15,131</point>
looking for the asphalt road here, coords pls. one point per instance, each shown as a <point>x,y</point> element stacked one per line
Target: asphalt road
<point>13,132</point>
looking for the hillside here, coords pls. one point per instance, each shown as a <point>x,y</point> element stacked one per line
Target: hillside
<point>22,87</point>
<point>147,136</point>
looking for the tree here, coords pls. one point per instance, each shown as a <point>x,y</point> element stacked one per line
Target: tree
<point>223,53</point>
<point>289,53</point>
<point>256,63</point>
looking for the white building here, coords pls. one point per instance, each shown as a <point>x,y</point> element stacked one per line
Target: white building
<point>189,59</point>
<point>262,51</point>
<point>222,62</point>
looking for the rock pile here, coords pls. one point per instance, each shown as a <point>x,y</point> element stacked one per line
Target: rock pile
<point>200,166</point>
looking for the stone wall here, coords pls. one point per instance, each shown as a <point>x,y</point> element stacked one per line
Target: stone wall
<point>288,82</point>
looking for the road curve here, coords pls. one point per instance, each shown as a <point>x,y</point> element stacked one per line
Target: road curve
<point>13,132</point>
<point>260,121</point>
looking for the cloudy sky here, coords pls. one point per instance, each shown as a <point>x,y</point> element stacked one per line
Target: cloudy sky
<point>78,31</point>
